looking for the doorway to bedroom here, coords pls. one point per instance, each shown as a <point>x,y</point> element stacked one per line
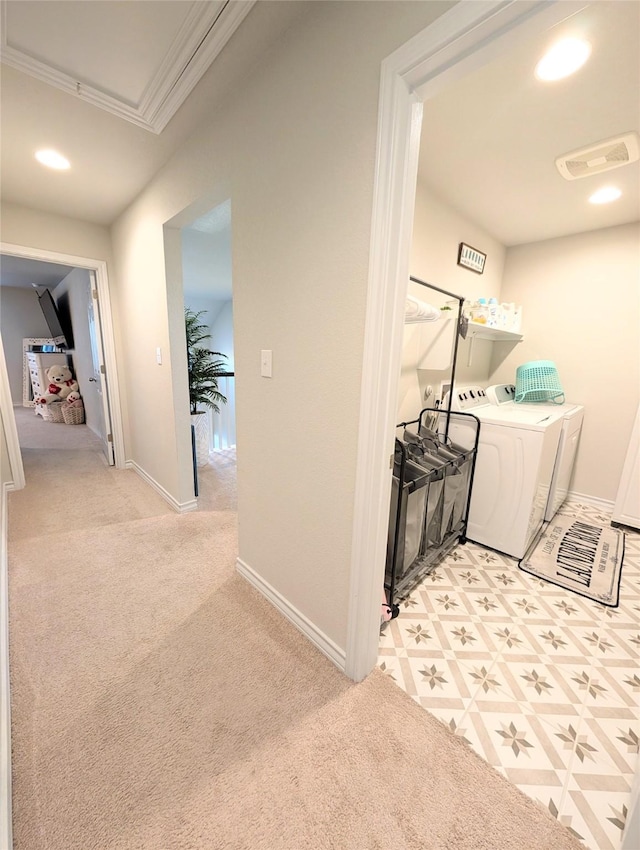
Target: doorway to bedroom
<point>51,318</point>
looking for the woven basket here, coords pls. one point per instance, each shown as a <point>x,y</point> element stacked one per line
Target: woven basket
<point>72,415</point>
<point>55,411</point>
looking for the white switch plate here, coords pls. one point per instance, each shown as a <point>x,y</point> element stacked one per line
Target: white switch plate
<point>265,363</point>
<point>159,356</point>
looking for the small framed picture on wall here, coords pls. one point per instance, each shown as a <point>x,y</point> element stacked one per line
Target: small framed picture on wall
<point>471,258</point>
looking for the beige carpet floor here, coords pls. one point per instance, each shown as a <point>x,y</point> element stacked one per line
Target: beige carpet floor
<point>160,703</point>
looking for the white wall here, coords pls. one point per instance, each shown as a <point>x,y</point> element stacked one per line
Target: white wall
<point>224,423</point>
<point>20,317</point>
<point>222,334</point>
<point>51,232</point>
<point>437,231</point>
<point>581,300</point>
<point>295,151</point>
<point>206,263</point>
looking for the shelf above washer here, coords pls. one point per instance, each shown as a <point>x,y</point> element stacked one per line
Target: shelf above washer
<point>475,329</point>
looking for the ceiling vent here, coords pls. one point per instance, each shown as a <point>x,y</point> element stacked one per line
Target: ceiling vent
<point>603,156</point>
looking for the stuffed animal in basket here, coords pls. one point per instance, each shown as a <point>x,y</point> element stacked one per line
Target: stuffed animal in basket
<point>73,409</point>
<point>61,383</point>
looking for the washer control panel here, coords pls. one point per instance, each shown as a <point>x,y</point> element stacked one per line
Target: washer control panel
<point>501,393</point>
<point>467,398</point>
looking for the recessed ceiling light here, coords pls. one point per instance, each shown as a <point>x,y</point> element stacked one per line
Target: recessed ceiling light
<point>564,58</point>
<point>53,159</point>
<point>604,196</point>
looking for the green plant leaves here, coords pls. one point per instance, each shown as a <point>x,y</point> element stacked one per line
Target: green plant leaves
<point>204,366</point>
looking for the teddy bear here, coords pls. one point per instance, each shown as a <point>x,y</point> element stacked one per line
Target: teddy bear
<point>61,383</point>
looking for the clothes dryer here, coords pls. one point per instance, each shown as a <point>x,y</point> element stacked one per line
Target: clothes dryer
<point>503,395</point>
<point>516,453</point>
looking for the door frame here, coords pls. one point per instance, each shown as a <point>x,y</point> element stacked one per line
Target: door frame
<point>99,267</point>
<point>465,38</point>
<point>102,383</point>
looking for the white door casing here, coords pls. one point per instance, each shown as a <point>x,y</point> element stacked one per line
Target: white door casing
<point>98,379</point>
<point>465,38</point>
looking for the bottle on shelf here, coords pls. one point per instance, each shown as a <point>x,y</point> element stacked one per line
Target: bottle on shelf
<point>507,311</point>
<point>493,313</point>
<point>479,311</point>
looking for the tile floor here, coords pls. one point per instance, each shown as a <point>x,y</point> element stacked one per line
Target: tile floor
<point>544,684</point>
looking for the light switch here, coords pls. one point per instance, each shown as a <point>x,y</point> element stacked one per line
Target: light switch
<point>265,363</point>
<point>159,356</point>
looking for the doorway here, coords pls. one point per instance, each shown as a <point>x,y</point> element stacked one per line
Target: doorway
<point>464,39</point>
<point>199,280</point>
<point>77,297</point>
<point>208,291</point>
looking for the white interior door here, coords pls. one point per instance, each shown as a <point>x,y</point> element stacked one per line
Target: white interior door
<point>98,380</point>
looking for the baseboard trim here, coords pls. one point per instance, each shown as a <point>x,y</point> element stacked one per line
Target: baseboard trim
<point>303,624</point>
<point>6,839</point>
<point>604,504</point>
<point>179,507</point>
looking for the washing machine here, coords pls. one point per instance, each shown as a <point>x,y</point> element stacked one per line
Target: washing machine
<point>504,395</point>
<point>517,449</point>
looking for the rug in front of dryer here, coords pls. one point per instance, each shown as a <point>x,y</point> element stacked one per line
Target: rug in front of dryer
<point>583,557</point>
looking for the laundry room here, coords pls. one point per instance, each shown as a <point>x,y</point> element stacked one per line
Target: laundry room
<point>516,266</point>
<point>513,552</point>
<point>491,177</point>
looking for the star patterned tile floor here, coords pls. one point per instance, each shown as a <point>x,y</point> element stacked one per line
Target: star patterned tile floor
<point>542,683</point>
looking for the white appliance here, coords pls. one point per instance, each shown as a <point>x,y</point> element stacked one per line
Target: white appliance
<point>514,465</point>
<point>573,415</point>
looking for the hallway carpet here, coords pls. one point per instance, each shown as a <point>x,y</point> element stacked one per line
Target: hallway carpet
<point>160,703</point>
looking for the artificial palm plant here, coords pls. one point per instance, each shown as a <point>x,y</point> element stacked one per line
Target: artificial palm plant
<point>204,366</point>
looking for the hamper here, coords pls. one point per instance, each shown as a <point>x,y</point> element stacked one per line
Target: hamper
<point>55,412</point>
<point>73,415</point>
<point>538,381</point>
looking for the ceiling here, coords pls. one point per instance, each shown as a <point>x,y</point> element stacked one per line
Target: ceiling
<point>118,105</point>
<point>489,140</point>
<point>117,122</point>
<point>56,42</point>
<point>23,274</point>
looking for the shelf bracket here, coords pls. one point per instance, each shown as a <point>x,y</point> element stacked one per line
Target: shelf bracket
<point>470,353</point>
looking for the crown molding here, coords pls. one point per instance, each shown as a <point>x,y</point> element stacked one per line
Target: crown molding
<point>202,36</point>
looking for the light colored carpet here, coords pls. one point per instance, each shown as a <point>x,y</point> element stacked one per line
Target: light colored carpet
<point>217,482</point>
<point>160,703</point>
<point>36,433</point>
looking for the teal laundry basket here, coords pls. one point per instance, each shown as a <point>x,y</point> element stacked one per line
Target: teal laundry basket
<point>538,381</point>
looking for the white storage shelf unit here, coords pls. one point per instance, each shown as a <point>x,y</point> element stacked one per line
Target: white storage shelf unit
<point>476,330</point>
<point>433,343</point>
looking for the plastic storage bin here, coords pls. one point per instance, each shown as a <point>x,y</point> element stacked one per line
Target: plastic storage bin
<point>538,381</point>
